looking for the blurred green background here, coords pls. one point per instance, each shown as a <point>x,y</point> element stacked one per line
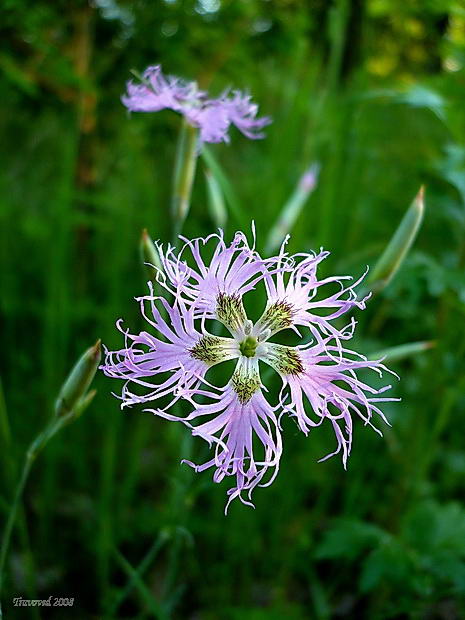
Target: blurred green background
<point>373,90</point>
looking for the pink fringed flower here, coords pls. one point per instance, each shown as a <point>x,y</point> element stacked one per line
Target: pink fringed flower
<point>213,117</point>
<point>319,379</point>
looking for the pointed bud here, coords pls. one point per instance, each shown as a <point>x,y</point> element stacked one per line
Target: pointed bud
<point>309,178</point>
<point>84,402</point>
<point>74,390</point>
<point>149,254</point>
<point>394,254</point>
<point>216,203</point>
<point>292,209</point>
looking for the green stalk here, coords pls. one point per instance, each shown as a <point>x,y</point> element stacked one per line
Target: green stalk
<point>338,20</point>
<point>180,513</point>
<point>156,609</point>
<point>10,468</point>
<point>5,437</point>
<point>71,402</point>
<point>137,574</point>
<point>186,160</point>
<point>107,517</point>
<point>184,172</point>
<point>34,449</point>
<point>12,515</point>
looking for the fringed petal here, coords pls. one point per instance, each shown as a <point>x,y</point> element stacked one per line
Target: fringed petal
<point>321,383</point>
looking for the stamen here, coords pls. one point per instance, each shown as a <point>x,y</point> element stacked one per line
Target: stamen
<point>285,360</point>
<point>248,327</point>
<point>264,334</point>
<point>277,316</point>
<point>230,311</point>
<point>245,382</point>
<point>248,346</point>
<point>210,349</point>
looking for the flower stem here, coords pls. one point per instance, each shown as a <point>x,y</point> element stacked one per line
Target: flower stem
<point>12,515</point>
<point>184,172</point>
<point>36,446</point>
<point>138,573</point>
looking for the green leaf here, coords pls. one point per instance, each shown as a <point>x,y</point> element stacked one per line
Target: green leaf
<point>226,187</point>
<point>216,203</point>
<point>431,526</point>
<point>419,96</point>
<point>403,350</point>
<point>348,538</point>
<point>389,563</point>
<point>394,254</point>
<point>154,606</point>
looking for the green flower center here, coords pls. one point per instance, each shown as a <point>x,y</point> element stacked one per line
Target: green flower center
<point>248,346</point>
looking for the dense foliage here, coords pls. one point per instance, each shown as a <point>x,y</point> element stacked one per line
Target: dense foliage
<point>373,90</point>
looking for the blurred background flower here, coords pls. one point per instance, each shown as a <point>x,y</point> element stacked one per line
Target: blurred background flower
<point>152,92</point>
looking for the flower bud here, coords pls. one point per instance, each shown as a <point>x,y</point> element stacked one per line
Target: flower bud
<point>292,209</point>
<point>73,394</point>
<point>149,254</point>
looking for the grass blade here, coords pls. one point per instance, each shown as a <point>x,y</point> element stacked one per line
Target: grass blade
<point>152,603</point>
<point>226,187</point>
<point>394,254</point>
<point>216,203</point>
<point>394,354</point>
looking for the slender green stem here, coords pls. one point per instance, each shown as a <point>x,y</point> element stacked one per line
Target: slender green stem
<point>10,476</point>
<point>107,518</point>
<point>339,16</point>
<point>138,573</point>
<point>34,449</point>
<point>12,515</point>
<point>5,433</point>
<point>180,514</point>
<point>155,607</point>
<point>184,172</point>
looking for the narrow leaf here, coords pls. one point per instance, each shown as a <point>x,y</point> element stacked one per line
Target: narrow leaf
<point>187,152</point>
<point>403,350</point>
<point>216,203</point>
<point>155,607</point>
<point>396,250</point>
<point>226,187</point>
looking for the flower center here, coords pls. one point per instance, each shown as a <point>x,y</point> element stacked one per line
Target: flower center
<point>248,346</point>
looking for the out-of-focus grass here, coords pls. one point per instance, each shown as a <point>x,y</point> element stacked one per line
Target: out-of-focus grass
<point>384,538</point>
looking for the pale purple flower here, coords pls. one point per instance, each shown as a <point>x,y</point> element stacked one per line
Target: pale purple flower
<point>171,360</point>
<point>213,116</point>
